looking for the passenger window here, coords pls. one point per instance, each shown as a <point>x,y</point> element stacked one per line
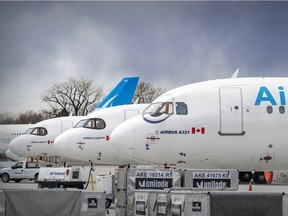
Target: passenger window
<point>269,109</point>
<point>181,108</point>
<point>282,109</point>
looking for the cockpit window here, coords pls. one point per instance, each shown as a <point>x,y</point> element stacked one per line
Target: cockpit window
<point>81,123</point>
<point>181,108</point>
<point>29,131</point>
<point>156,109</point>
<point>93,123</point>
<point>39,131</point>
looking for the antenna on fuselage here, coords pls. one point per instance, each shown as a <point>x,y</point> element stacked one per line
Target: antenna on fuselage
<point>235,74</point>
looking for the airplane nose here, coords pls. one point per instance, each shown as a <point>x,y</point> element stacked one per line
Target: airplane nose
<point>123,139</point>
<point>13,156</point>
<point>14,146</point>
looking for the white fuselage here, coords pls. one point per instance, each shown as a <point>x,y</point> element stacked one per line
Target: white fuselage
<point>91,143</point>
<point>232,123</point>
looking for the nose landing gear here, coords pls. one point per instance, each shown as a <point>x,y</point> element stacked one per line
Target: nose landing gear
<point>258,177</point>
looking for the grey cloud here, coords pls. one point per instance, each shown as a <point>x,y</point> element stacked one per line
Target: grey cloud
<point>165,43</point>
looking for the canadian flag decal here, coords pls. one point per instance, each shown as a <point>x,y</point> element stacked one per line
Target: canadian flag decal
<point>196,130</point>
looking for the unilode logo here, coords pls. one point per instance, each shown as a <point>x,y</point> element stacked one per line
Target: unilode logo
<point>212,184</point>
<point>150,183</point>
<point>211,179</point>
<point>155,119</point>
<point>265,95</point>
<point>147,179</point>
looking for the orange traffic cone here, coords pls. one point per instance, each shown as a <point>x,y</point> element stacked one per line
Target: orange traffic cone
<point>250,187</point>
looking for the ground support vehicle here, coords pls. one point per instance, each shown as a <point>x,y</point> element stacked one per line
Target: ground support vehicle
<point>20,171</point>
<point>60,177</point>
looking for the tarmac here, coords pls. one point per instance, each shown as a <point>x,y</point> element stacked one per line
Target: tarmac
<point>273,187</point>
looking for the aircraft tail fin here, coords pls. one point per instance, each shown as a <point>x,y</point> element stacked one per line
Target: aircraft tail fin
<point>235,74</point>
<point>122,94</point>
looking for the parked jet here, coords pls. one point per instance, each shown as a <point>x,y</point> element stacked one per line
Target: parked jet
<point>236,123</point>
<point>89,139</point>
<point>39,139</point>
<point>10,131</point>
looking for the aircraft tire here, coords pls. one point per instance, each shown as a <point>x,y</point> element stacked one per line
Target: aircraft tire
<point>259,178</point>
<point>245,176</point>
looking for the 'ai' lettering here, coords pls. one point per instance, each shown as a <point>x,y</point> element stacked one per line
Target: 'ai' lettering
<point>265,95</point>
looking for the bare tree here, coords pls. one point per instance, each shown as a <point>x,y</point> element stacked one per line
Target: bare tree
<point>7,118</point>
<point>26,117</point>
<point>29,117</point>
<point>146,93</point>
<point>77,96</point>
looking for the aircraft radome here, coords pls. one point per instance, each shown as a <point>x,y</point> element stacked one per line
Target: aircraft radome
<point>230,123</point>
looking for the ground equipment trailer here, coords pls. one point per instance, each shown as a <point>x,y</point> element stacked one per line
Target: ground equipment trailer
<point>60,177</point>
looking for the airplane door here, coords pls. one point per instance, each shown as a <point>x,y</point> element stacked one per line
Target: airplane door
<point>231,116</point>
<point>65,125</point>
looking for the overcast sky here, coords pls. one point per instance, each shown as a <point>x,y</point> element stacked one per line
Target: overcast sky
<point>167,44</point>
